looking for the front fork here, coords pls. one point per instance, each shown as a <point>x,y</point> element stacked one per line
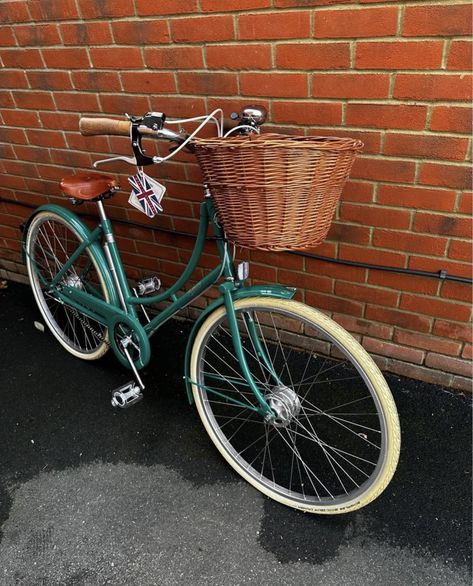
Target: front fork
<point>265,410</point>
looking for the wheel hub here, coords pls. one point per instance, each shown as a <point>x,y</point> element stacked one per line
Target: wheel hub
<point>73,281</point>
<point>285,405</point>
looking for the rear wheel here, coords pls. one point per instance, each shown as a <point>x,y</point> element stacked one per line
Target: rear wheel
<point>50,242</point>
<point>333,443</point>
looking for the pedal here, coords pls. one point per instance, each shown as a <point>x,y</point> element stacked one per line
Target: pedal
<point>127,395</point>
<point>148,285</point>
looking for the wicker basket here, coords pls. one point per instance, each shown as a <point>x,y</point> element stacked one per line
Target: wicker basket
<point>276,192</point>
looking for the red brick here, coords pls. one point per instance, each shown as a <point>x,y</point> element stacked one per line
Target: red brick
<point>431,245</point>
<point>106,8</point>
<point>371,255</point>
<point>141,32</point>
<point>340,231</point>
<point>37,35</point>
<point>404,282</point>
<point>14,11</point>
<point>456,331</point>
<point>442,224</point>
<point>456,290</point>
<point>417,197</point>
<point>433,87</point>
<point>362,326</point>
<point>60,120</point>
<point>449,364</point>
<point>460,56</point>
<point>350,85</point>
<point>22,118</point>
<point>175,58</point>
<point>239,57</point>
<point>452,176</point>
<point>117,57</point>
<point>403,319</point>
<point>50,80</point>
<point>384,169</point>
<point>13,79</point>
<point>77,102</point>
<point>121,103</point>
<point>148,81</point>
<point>331,303</point>
<point>369,22</point>
<point>48,138</point>
<point>278,85</point>
<point>7,38</point>
<point>86,33</point>
<point>305,281</point>
<point>408,117</point>
<point>358,191</point>
<point>66,58</point>
<point>306,113</point>
<point>21,58</point>
<point>203,29</point>
<point>393,350</point>
<point>399,55</point>
<point>427,342</point>
<point>428,375</point>
<point>147,8</point>
<point>6,99</point>
<point>64,10</point>
<point>274,25</point>
<point>313,56</point>
<point>14,136</point>
<point>460,250</point>
<point>435,20</point>
<point>367,294</point>
<point>29,153</point>
<point>451,119</point>
<point>213,84</point>
<point>370,215</point>
<point>435,147</point>
<point>435,307</point>
<point>107,81</point>
<point>35,100</point>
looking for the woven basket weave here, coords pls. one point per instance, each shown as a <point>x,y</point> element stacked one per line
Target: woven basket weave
<point>276,192</point>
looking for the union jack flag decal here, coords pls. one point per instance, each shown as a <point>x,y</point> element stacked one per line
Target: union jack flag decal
<point>146,194</point>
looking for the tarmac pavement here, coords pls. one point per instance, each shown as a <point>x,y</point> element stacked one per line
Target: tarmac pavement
<point>92,496</point>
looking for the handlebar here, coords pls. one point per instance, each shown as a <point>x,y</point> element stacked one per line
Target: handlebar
<point>151,125</point>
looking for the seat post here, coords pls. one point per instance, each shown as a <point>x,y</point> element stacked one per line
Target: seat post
<point>110,242</point>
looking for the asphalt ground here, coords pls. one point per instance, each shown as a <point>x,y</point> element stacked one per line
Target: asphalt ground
<point>91,496</point>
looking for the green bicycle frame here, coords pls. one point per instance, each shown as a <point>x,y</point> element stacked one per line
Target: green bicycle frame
<point>121,307</point>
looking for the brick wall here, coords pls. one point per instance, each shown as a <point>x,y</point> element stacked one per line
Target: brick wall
<point>395,74</point>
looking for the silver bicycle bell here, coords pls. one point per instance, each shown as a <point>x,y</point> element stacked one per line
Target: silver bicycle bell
<point>251,115</point>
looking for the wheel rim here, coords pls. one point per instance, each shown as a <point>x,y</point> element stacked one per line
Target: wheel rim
<point>326,446</point>
<point>50,244</point>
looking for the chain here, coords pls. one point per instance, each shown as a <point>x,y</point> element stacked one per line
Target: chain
<point>87,325</point>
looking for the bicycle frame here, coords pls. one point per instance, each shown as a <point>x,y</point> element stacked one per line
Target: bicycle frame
<point>121,307</point>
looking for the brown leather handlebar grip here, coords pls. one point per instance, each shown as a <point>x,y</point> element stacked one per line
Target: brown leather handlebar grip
<point>94,126</point>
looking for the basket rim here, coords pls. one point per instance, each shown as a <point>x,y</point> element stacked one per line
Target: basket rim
<point>268,140</point>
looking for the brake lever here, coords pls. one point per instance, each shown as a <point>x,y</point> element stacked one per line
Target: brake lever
<point>130,160</point>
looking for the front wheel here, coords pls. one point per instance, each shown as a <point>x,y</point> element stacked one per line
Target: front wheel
<point>332,444</point>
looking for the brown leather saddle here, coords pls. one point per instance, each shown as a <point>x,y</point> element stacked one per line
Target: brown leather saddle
<point>87,186</point>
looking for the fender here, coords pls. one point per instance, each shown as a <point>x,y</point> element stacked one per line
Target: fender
<point>85,234</point>
<point>278,291</point>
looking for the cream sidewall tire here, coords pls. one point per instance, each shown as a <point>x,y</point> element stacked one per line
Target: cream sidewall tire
<point>35,286</point>
<point>371,371</point>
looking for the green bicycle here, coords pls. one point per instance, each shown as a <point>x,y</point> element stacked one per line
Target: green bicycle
<point>290,399</point>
